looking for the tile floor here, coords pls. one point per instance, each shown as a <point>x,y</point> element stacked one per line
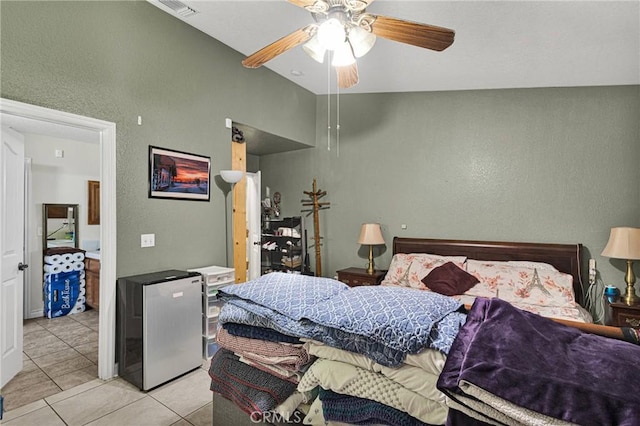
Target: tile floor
<point>59,386</point>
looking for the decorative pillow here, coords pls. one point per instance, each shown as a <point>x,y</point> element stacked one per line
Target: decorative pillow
<point>519,263</point>
<point>408,270</point>
<point>449,279</point>
<point>535,265</point>
<point>521,285</point>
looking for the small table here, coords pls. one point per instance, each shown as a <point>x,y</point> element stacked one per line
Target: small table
<point>354,277</point>
<point>619,314</point>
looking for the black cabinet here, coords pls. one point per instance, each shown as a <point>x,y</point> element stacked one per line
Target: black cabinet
<point>283,245</point>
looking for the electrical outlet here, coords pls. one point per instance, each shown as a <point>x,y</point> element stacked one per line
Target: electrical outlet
<point>147,240</point>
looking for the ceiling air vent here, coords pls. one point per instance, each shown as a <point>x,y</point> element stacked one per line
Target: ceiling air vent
<point>179,7</point>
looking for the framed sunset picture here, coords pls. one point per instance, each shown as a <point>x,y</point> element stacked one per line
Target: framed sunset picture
<point>178,175</point>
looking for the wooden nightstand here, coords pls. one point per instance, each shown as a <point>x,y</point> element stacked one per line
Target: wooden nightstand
<point>354,277</point>
<point>619,314</point>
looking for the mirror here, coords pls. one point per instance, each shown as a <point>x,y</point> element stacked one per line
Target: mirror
<point>59,225</point>
<point>94,203</point>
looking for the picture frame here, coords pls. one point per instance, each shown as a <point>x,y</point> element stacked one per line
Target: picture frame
<point>178,175</point>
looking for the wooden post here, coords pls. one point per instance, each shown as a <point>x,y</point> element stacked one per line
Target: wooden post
<point>239,216</point>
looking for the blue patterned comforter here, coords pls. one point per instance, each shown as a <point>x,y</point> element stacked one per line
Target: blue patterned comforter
<point>400,318</point>
<point>383,323</point>
<point>289,294</point>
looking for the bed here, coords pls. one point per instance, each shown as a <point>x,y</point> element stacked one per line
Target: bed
<point>404,372</point>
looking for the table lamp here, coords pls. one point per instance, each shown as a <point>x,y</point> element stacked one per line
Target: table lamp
<point>624,243</point>
<point>372,235</point>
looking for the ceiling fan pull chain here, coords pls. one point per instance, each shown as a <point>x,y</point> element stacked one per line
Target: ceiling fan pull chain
<point>338,122</point>
<point>329,104</point>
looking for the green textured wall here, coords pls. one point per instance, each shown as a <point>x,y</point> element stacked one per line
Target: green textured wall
<point>545,165</point>
<point>540,165</point>
<point>118,60</point>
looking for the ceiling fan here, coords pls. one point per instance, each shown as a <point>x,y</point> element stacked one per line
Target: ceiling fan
<point>344,27</point>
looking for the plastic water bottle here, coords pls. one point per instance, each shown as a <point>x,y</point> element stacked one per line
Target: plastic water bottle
<point>611,293</point>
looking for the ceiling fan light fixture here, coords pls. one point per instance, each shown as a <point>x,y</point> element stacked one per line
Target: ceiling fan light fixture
<point>361,41</point>
<point>314,49</point>
<point>331,33</point>
<point>343,55</point>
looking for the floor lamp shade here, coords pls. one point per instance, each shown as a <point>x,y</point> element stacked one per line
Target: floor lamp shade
<point>624,243</point>
<point>231,176</point>
<point>370,234</point>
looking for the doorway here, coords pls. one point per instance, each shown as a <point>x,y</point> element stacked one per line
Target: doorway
<point>17,114</point>
<point>250,143</point>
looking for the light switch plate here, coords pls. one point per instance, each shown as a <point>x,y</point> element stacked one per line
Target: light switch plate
<point>147,240</point>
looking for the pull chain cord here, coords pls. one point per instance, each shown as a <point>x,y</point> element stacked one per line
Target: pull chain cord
<point>338,122</point>
<point>328,102</point>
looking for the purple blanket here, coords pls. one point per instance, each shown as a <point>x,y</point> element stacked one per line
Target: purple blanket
<point>542,366</point>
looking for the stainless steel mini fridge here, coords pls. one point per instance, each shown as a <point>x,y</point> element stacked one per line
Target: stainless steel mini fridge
<point>158,326</point>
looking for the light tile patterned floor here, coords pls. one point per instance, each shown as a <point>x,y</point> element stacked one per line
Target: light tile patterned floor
<point>59,386</point>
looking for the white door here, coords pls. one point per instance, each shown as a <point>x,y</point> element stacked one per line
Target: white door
<point>253,225</point>
<point>11,252</point>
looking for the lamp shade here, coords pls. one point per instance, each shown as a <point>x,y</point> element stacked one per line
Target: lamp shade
<point>331,33</point>
<point>314,49</point>
<point>370,234</point>
<point>361,41</point>
<point>624,243</point>
<point>231,176</point>
<point>343,56</point>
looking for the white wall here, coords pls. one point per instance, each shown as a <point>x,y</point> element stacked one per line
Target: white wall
<point>56,181</point>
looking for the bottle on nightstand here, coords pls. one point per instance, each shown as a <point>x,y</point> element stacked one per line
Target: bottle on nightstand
<point>611,293</point>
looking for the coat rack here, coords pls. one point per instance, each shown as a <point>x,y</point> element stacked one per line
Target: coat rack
<point>316,206</point>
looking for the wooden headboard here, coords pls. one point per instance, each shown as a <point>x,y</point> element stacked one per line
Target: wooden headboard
<point>566,258</point>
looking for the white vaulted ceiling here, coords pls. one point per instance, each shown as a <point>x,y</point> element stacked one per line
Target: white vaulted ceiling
<point>498,44</point>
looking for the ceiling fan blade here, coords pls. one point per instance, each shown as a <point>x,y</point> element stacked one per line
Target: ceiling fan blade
<point>416,34</point>
<point>287,42</point>
<point>347,76</point>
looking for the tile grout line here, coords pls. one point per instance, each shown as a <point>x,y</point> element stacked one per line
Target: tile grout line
<point>42,328</point>
<point>54,410</point>
<point>45,401</point>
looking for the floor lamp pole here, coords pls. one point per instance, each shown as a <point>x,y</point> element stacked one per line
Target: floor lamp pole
<point>231,177</point>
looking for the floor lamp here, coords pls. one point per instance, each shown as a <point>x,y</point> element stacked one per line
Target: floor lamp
<point>231,177</point>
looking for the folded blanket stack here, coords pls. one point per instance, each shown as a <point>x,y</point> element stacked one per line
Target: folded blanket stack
<point>284,360</point>
<point>261,349</point>
<point>360,355</point>
<point>64,282</point>
<point>252,390</point>
<point>411,391</point>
